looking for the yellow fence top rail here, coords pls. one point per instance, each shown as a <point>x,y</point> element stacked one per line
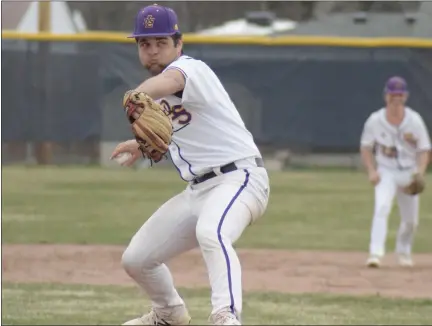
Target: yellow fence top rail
<point>235,40</point>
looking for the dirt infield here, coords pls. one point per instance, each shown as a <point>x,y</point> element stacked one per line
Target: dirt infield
<point>263,270</point>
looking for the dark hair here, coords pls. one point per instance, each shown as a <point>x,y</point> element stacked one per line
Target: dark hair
<point>176,38</point>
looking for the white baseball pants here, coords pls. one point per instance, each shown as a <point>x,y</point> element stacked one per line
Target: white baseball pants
<point>211,215</point>
<point>390,185</point>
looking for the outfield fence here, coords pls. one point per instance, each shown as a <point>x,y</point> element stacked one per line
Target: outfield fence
<point>306,94</point>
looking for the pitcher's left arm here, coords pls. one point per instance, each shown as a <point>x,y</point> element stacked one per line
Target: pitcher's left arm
<point>166,83</point>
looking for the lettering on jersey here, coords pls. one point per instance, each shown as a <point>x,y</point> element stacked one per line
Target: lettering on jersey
<point>410,139</point>
<point>388,151</point>
<point>177,113</point>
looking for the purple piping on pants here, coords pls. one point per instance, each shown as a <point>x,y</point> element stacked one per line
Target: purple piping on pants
<point>221,242</point>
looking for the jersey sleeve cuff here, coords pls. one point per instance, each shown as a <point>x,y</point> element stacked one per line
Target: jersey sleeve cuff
<point>424,149</point>
<point>366,144</point>
<point>179,69</point>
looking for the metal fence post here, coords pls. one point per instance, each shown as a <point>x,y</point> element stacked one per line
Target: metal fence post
<point>43,149</point>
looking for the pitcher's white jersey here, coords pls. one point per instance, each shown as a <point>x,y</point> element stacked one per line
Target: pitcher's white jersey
<point>208,130</point>
<point>396,146</point>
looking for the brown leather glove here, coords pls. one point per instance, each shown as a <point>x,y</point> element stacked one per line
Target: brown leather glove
<point>151,127</point>
<point>416,186</point>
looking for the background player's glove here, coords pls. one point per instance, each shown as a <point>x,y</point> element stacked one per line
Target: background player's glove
<point>151,127</point>
<point>416,186</point>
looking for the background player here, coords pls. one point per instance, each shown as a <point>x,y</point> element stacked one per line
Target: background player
<point>213,151</point>
<point>398,137</point>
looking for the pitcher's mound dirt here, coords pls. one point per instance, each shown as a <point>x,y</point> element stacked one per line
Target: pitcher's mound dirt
<point>263,270</point>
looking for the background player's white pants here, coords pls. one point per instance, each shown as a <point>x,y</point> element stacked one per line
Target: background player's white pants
<point>385,191</point>
<point>211,215</point>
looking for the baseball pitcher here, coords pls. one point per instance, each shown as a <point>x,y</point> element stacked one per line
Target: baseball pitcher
<point>395,147</point>
<point>184,110</point>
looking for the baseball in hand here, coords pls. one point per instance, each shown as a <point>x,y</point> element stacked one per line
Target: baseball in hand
<point>122,157</point>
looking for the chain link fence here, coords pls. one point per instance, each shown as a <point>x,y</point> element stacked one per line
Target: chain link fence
<point>305,99</point>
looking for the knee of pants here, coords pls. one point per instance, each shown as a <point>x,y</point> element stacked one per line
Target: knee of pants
<point>208,238</point>
<point>383,211</point>
<point>135,261</point>
<point>410,225</point>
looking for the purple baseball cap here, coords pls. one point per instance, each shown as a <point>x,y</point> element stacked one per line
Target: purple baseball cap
<point>396,85</point>
<point>155,20</point>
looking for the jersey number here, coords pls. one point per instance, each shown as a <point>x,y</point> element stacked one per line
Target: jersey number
<point>176,112</point>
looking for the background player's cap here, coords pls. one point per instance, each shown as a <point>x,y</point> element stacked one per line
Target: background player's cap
<point>396,85</point>
<point>154,21</point>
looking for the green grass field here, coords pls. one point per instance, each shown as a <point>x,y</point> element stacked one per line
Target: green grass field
<point>317,210</point>
<point>102,305</point>
<point>307,210</point>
